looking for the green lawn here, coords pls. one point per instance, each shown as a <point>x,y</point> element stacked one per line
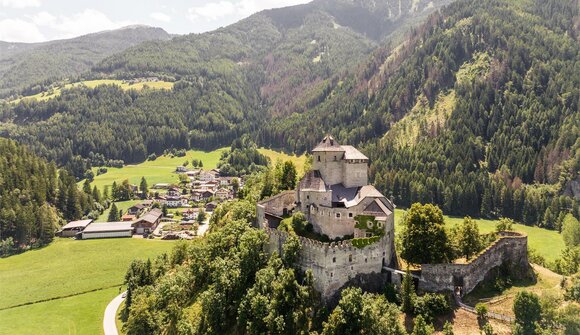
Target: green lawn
<point>547,243</point>
<point>160,170</point>
<point>69,266</point>
<point>81,314</point>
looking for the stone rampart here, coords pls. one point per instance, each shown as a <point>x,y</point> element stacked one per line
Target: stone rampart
<point>510,248</point>
<point>333,264</point>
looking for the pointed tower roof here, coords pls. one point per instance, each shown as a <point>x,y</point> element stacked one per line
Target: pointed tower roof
<point>328,144</point>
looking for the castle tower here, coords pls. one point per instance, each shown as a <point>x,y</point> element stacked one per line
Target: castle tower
<point>327,158</point>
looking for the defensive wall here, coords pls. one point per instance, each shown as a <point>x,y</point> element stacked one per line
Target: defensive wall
<point>510,250</point>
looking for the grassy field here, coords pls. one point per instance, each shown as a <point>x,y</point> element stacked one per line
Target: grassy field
<point>43,96</point>
<point>162,169</point>
<point>81,314</point>
<point>547,243</point>
<point>68,267</point>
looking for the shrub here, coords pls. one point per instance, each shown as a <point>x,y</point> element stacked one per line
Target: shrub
<point>481,311</point>
<point>487,329</point>
<point>431,305</point>
<point>152,157</point>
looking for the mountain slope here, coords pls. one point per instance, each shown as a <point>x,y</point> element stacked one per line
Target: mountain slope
<point>478,111</point>
<point>25,64</point>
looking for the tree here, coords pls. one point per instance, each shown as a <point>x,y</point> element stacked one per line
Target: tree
<point>487,329</point>
<point>407,293</point>
<point>288,178</point>
<point>291,250</point>
<point>87,186</point>
<point>469,239</point>
<point>164,210</point>
<point>73,207</point>
<point>185,164</point>
<point>424,239</point>
<point>201,216</point>
<point>421,327</point>
<point>143,187</point>
<point>235,185</point>
<point>571,230</point>
<point>113,213</point>
<point>358,313</point>
<point>527,311</point>
<point>481,311</point>
<point>504,224</point>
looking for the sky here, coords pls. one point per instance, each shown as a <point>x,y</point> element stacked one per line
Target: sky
<point>43,20</point>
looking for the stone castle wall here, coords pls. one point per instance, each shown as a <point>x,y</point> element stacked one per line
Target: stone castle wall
<point>355,174</point>
<point>510,248</point>
<point>335,264</point>
<point>330,166</point>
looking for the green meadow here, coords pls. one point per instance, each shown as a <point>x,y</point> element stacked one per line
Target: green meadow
<point>548,243</point>
<point>43,96</point>
<point>64,287</point>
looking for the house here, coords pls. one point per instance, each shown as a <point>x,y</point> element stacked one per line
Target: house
<point>196,195</point>
<point>136,209</point>
<point>148,222</point>
<point>205,195</point>
<point>192,173</point>
<point>224,194</point>
<point>210,206</point>
<point>107,230</point>
<point>184,201</point>
<point>74,227</point>
<point>206,176</point>
<point>173,201</point>
<point>161,186</point>
<point>180,169</point>
<point>128,217</point>
<point>189,214</point>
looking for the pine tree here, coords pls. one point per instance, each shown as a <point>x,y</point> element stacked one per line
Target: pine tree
<point>143,186</point>
<point>113,213</point>
<point>87,187</point>
<point>73,207</point>
<point>407,293</point>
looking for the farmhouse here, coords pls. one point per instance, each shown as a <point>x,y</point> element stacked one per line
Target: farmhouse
<point>148,222</point>
<point>107,230</point>
<point>74,227</point>
<point>136,209</point>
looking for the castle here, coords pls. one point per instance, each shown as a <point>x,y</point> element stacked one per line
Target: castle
<point>338,202</point>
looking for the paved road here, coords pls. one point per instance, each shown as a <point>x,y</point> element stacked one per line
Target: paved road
<point>109,323</point>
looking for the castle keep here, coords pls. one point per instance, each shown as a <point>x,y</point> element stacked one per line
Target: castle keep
<point>338,202</point>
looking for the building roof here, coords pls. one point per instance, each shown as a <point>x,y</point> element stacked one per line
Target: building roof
<point>152,216</point>
<point>351,152</point>
<point>328,144</point>
<point>77,224</point>
<point>312,181</point>
<point>98,227</point>
<point>343,194</point>
<point>138,206</point>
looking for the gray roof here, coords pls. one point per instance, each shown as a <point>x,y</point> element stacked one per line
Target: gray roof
<point>328,144</point>
<point>152,216</point>
<point>108,226</point>
<point>343,194</point>
<point>77,224</point>
<point>351,152</point>
<point>312,181</point>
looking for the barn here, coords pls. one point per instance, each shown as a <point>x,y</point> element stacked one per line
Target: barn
<point>74,227</point>
<point>148,222</point>
<point>108,230</point>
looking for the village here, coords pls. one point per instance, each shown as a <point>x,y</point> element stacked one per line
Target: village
<point>167,211</point>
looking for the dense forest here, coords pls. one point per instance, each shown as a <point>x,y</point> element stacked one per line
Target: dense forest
<point>476,111</point>
<point>36,199</point>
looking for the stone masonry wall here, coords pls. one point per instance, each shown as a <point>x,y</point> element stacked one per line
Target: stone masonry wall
<point>334,264</point>
<point>510,248</point>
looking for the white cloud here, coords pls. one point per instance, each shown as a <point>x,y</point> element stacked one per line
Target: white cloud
<point>160,17</point>
<point>214,11</point>
<point>19,3</point>
<point>16,30</point>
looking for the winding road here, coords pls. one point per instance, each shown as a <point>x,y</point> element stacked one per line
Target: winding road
<point>109,322</point>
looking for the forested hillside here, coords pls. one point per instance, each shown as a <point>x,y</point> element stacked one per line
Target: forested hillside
<point>29,68</point>
<point>477,112</point>
<point>35,197</point>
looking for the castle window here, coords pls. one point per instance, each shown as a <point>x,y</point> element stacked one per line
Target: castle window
<point>380,224</point>
<point>349,215</point>
<point>338,215</point>
<point>318,158</point>
<point>370,224</point>
<point>334,259</point>
<point>307,197</point>
<point>366,259</point>
<point>334,157</point>
<point>331,274</point>
<point>350,258</point>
